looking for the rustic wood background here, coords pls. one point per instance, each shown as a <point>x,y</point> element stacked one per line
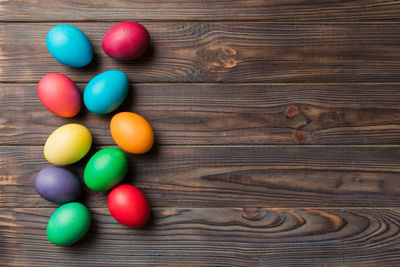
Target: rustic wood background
<point>277,126</point>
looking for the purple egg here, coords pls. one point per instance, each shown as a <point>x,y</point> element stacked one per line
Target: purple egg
<point>58,185</point>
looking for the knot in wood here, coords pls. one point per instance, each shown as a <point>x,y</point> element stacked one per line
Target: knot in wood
<point>300,137</point>
<point>253,214</point>
<point>292,111</point>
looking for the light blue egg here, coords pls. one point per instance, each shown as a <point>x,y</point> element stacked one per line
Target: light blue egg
<point>106,92</point>
<point>69,45</point>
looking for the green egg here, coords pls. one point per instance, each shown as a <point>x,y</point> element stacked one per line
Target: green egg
<point>106,169</point>
<point>68,224</point>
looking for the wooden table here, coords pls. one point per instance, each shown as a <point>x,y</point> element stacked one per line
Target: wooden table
<point>277,133</point>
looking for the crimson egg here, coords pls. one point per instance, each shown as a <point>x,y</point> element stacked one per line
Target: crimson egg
<point>126,41</point>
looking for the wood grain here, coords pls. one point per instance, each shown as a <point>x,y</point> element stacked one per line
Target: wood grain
<point>230,176</point>
<point>221,52</point>
<point>225,114</point>
<point>277,126</point>
<point>205,10</point>
<point>212,236</point>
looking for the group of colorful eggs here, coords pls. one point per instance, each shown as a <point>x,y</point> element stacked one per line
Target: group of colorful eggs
<point>70,143</point>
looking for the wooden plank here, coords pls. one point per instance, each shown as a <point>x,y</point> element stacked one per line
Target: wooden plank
<point>221,52</point>
<point>226,114</point>
<point>212,236</point>
<point>206,10</point>
<point>226,176</point>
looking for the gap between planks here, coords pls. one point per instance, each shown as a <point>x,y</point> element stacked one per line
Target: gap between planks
<point>236,145</point>
<point>204,21</point>
<point>394,208</point>
<point>225,83</point>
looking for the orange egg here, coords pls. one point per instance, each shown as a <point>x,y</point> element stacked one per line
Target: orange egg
<point>132,132</point>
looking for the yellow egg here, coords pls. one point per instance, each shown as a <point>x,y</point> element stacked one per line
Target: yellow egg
<point>67,144</point>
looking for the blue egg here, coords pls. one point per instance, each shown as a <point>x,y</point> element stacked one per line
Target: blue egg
<point>106,92</point>
<point>69,45</point>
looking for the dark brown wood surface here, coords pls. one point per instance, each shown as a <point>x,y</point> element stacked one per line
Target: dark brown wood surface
<point>221,52</point>
<point>204,10</point>
<point>231,176</point>
<point>277,129</point>
<point>214,237</point>
<point>187,114</point>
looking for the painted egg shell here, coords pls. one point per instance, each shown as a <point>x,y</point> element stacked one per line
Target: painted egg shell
<point>132,132</point>
<point>128,205</point>
<point>105,169</point>
<point>68,144</point>
<point>58,185</point>
<point>69,45</point>
<point>106,92</point>
<point>59,94</point>
<point>126,41</point>
<point>68,224</point>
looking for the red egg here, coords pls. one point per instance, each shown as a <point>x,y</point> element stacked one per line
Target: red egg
<point>126,40</point>
<point>59,94</point>
<point>128,205</point>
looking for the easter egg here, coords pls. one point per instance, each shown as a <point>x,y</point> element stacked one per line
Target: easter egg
<point>58,185</point>
<point>59,95</point>
<point>105,169</point>
<point>132,132</point>
<point>67,144</point>
<point>128,205</point>
<point>69,45</point>
<point>106,92</point>
<point>126,41</point>
<point>68,224</point>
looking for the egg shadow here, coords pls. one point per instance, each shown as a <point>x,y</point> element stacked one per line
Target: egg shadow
<point>84,112</point>
<point>86,196</point>
<point>143,60</point>
<point>150,156</point>
<point>154,152</point>
<point>95,65</point>
<point>88,71</point>
<point>130,176</point>
<point>151,222</point>
<point>128,104</point>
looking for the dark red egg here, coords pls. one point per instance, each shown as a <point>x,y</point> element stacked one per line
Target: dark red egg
<point>126,41</point>
<point>59,94</point>
<point>128,205</point>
